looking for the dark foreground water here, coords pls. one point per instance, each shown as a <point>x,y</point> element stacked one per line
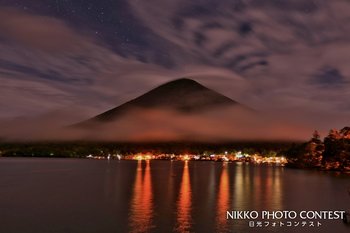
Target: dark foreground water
<point>73,196</point>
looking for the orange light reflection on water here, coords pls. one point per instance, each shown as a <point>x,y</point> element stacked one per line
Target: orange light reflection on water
<point>141,214</point>
<point>223,200</point>
<point>184,219</point>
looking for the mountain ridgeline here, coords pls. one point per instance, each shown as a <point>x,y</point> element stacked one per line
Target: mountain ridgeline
<point>182,95</point>
<point>180,110</point>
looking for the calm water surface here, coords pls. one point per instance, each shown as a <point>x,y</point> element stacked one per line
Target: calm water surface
<point>73,196</point>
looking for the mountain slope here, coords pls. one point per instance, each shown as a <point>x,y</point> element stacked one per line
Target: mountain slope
<point>182,110</point>
<point>182,95</point>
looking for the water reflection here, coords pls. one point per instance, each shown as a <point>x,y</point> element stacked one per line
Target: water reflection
<point>166,202</point>
<point>276,189</point>
<point>184,202</point>
<point>257,186</point>
<point>241,188</point>
<point>223,200</point>
<point>267,182</point>
<point>141,213</point>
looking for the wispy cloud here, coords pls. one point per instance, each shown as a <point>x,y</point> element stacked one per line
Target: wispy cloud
<point>278,46</point>
<point>274,56</point>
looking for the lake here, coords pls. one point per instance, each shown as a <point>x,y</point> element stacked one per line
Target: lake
<point>101,196</point>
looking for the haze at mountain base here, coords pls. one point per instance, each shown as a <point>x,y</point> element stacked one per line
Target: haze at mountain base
<point>181,110</point>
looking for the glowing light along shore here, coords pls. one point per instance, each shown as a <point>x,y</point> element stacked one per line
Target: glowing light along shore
<point>238,157</point>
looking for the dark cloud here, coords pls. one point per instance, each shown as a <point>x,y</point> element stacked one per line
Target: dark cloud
<point>199,38</point>
<point>245,28</point>
<point>211,25</point>
<point>329,77</point>
<point>252,65</point>
<point>224,48</point>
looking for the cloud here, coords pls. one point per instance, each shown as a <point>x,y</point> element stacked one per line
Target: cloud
<point>141,125</point>
<point>54,72</point>
<point>39,32</point>
<point>329,77</point>
<point>277,58</point>
<point>47,65</point>
<point>285,45</point>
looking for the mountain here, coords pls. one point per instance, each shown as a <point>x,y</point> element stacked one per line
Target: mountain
<point>182,95</point>
<point>183,111</point>
<point>180,110</point>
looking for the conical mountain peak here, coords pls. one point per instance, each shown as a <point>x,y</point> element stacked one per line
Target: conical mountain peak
<point>182,95</point>
<point>183,82</point>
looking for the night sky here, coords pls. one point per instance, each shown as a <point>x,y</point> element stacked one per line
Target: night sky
<point>82,57</point>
